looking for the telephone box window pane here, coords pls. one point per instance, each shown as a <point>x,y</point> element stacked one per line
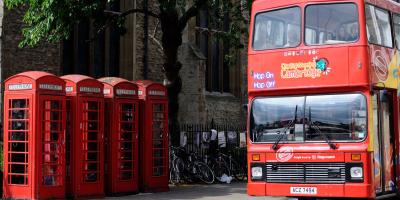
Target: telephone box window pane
<point>18,179</point>
<point>92,136</point>
<point>126,145</point>
<point>91,177</point>
<point>55,105</point>
<point>19,103</point>
<point>157,135</point>
<point>55,116</point>
<point>126,155</point>
<point>158,125</point>
<point>54,136</point>
<point>92,146</point>
<point>18,136</point>
<point>50,147</point>
<point>18,158</point>
<point>91,167</point>
<point>127,107</point>
<point>125,175</point>
<point>93,105</point>
<point>18,125</point>
<point>93,116</point>
<point>158,171</point>
<point>50,158</point>
<point>158,153</point>
<point>126,165</point>
<point>127,116</point>
<point>18,147</point>
<point>50,181</point>
<point>158,108</point>
<point>91,156</point>
<point>92,126</point>
<point>55,126</point>
<point>18,169</point>
<point>158,144</point>
<point>127,127</point>
<point>19,114</point>
<point>126,136</point>
<point>50,170</point>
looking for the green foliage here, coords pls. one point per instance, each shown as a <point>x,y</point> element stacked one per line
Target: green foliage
<point>53,20</point>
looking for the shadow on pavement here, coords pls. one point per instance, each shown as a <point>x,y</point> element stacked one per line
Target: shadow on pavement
<point>234,191</point>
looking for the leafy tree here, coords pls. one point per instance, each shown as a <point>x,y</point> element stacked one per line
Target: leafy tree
<point>54,20</point>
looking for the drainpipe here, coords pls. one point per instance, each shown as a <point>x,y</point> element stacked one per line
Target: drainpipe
<point>146,40</point>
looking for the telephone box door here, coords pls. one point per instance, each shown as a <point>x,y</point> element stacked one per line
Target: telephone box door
<point>52,156</point>
<point>126,144</point>
<point>91,145</point>
<point>159,138</point>
<point>18,132</point>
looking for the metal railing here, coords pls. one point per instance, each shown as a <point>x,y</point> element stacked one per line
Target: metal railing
<point>206,139</point>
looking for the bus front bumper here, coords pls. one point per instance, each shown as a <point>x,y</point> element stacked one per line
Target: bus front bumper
<point>349,190</point>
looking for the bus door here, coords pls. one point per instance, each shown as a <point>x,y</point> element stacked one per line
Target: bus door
<point>384,141</point>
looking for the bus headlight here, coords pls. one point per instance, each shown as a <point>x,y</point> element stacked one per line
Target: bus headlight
<point>256,170</point>
<point>356,172</point>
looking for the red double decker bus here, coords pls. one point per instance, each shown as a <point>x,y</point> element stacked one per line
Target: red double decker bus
<point>323,85</point>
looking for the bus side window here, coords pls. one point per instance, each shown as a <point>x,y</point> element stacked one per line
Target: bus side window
<point>396,21</point>
<point>378,26</point>
<point>311,36</point>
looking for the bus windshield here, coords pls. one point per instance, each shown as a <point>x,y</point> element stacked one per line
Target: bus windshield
<point>277,29</point>
<point>339,117</point>
<point>331,23</point>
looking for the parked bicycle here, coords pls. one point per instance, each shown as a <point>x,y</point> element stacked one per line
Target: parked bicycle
<point>225,164</point>
<point>188,167</point>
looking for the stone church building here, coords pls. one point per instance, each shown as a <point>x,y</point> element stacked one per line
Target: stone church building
<point>212,89</point>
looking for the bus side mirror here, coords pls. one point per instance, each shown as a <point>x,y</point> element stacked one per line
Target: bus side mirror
<point>245,107</point>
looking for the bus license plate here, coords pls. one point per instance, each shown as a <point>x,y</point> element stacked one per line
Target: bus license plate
<point>303,190</point>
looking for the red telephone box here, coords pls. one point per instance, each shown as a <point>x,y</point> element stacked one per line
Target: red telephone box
<point>121,135</point>
<point>85,150</point>
<point>34,125</point>
<point>153,137</point>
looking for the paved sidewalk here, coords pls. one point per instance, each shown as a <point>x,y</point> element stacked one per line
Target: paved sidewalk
<point>234,191</point>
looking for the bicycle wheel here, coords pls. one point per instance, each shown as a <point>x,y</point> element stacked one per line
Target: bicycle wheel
<point>204,173</point>
<point>220,168</point>
<point>238,171</point>
<point>178,170</point>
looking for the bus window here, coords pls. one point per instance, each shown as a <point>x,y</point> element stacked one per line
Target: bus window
<point>311,36</point>
<point>277,29</point>
<point>340,19</point>
<point>378,26</point>
<point>273,117</point>
<point>396,20</point>
<point>338,117</point>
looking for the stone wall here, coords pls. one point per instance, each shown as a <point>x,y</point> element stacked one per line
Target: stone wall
<point>44,57</point>
<point>155,59</point>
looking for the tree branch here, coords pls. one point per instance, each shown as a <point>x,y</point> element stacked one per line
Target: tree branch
<point>191,12</point>
<point>130,11</point>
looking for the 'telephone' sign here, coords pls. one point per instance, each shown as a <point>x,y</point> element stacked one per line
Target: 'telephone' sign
<point>157,93</point>
<point>21,86</point>
<point>89,89</point>
<point>125,92</point>
<point>50,87</point>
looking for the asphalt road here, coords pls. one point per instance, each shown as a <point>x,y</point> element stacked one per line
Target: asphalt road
<point>234,191</point>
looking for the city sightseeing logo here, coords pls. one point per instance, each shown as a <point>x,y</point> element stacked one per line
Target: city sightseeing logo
<point>284,154</point>
<point>314,69</point>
